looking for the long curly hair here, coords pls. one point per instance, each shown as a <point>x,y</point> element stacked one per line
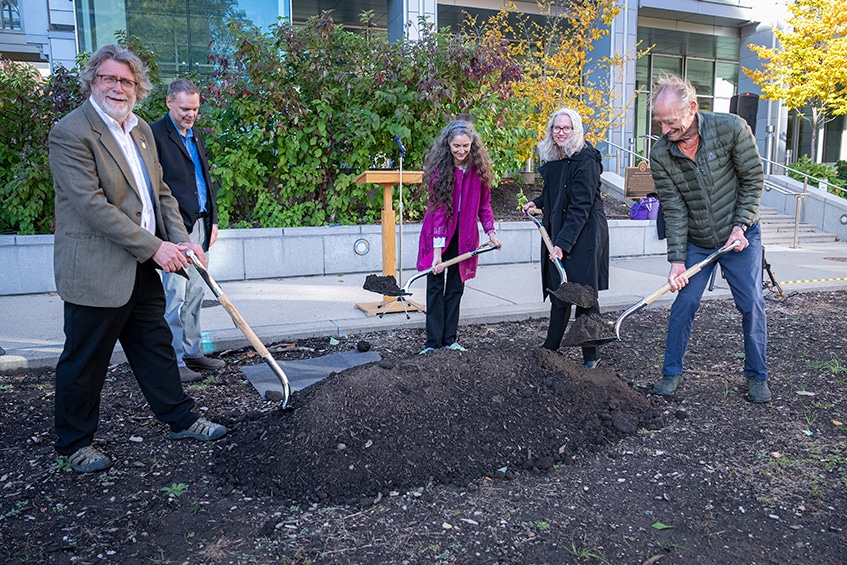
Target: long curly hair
<point>438,165</point>
<point>547,148</point>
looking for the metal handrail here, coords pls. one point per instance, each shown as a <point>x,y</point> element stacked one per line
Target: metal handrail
<point>768,185</point>
<point>806,177</point>
<point>632,156</point>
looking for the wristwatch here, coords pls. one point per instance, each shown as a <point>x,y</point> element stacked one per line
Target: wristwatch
<point>742,226</point>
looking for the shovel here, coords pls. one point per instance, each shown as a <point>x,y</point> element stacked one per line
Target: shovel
<point>690,272</point>
<point>242,325</point>
<point>572,293</point>
<point>387,285</point>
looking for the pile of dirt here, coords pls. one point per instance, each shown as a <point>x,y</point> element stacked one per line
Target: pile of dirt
<point>502,455</point>
<point>397,425</point>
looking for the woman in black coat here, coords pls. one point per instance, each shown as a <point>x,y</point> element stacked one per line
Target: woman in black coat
<point>573,216</point>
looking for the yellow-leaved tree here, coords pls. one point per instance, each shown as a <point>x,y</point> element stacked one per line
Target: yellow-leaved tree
<point>808,70</point>
<point>559,69</point>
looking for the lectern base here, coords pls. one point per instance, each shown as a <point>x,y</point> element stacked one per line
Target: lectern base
<point>392,307</point>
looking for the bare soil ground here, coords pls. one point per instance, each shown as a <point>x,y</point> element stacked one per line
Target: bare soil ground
<point>503,454</point>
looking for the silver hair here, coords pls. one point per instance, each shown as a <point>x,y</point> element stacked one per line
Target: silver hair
<point>670,84</point>
<point>547,148</point>
<point>121,55</point>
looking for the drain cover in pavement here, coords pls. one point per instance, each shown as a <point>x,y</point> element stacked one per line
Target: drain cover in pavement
<point>303,373</point>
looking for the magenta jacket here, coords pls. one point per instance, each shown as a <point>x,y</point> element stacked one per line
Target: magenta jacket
<point>471,201</point>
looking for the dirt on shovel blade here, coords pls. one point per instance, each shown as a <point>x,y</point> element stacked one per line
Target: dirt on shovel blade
<point>586,329</point>
<point>387,285</point>
<point>574,293</point>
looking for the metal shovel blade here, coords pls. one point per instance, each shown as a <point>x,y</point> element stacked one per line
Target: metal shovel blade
<point>573,293</point>
<point>690,272</point>
<point>242,325</point>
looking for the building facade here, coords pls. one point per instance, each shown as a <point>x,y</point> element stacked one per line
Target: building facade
<point>38,32</point>
<point>704,40</point>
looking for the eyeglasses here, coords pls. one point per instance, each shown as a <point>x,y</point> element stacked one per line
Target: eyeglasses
<point>562,129</point>
<point>110,81</point>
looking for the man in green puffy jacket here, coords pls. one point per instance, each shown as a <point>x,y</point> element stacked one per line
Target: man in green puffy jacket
<point>709,178</point>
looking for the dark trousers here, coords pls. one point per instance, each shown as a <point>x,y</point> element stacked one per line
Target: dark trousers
<point>443,297</point>
<point>90,337</point>
<point>560,314</point>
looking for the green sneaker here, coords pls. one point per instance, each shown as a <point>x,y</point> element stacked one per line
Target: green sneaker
<point>455,347</point>
<point>758,391</point>
<point>426,350</point>
<point>667,385</point>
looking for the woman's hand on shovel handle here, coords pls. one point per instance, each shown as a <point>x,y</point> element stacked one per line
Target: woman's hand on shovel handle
<point>557,253</point>
<point>675,280</point>
<point>493,241</point>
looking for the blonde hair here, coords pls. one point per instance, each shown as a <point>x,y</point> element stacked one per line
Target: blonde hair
<point>547,148</point>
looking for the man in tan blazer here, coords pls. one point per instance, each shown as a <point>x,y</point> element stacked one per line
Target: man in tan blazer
<point>116,223</point>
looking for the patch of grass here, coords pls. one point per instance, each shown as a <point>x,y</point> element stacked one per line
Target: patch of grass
<point>832,368</point>
<point>583,552</point>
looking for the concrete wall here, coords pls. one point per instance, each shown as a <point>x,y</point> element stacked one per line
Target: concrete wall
<point>246,254</point>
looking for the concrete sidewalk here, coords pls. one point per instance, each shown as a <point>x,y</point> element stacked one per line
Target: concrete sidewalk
<point>293,308</point>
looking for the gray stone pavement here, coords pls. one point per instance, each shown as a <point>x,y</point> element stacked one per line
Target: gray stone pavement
<point>293,308</point>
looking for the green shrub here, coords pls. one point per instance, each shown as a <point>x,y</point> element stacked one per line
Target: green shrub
<point>29,106</point>
<point>818,171</point>
<point>295,114</point>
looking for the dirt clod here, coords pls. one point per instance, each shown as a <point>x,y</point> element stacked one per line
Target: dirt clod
<point>574,293</point>
<point>586,329</point>
<point>385,285</point>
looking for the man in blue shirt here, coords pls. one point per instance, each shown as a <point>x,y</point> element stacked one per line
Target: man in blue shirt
<point>182,152</point>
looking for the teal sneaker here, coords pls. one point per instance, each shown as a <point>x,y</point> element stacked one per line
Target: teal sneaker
<point>667,385</point>
<point>758,391</point>
<point>455,347</point>
<point>426,350</point>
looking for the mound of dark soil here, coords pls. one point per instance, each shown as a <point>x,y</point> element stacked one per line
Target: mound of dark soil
<point>446,418</point>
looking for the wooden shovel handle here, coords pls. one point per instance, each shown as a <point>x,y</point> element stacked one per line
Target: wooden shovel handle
<point>549,243</point>
<point>242,325</point>
<point>690,272</point>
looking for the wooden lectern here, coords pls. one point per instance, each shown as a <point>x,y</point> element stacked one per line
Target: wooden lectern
<point>389,245</point>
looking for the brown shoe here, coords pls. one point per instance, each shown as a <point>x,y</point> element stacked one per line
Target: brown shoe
<point>186,375</point>
<point>202,363</point>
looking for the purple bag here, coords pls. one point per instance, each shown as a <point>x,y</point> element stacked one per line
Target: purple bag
<point>646,208</point>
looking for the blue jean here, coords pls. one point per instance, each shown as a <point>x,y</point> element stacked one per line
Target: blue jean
<point>743,272</point>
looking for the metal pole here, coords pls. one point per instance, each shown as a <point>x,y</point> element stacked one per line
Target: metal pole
<point>769,148</point>
<point>631,151</point>
<point>400,250</point>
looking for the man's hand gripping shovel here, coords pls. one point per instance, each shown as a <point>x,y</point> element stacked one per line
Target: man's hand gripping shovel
<point>242,325</point>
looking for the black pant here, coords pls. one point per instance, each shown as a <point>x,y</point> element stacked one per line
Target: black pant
<point>443,297</point>
<point>90,337</point>
<point>560,314</point>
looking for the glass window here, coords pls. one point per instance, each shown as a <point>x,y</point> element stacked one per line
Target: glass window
<point>10,17</point>
<point>701,75</point>
<point>666,64</point>
<point>726,84</point>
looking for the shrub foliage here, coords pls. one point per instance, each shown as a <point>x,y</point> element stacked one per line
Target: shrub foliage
<point>292,116</point>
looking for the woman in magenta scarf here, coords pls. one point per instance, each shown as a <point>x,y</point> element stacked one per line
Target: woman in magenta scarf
<point>458,172</point>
